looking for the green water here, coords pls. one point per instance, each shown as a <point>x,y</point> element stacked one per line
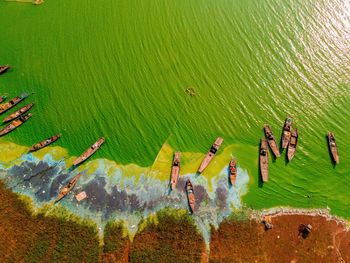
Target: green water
<point>118,69</point>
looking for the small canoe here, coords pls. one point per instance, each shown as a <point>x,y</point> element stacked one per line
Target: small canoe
<point>18,112</point>
<point>292,145</point>
<point>233,171</point>
<point>8,105</point>
<point>68,187</point>
<point>264,166</point>
<point>2,98</point>
<point>333,147</point>
<point>89,151</point>
<point>175,170</point>
<point>272,141</point>
<point>44,143</point>
<point>287,130</point>
<point>3,69</point>
<point>190,196</point>
<point>16,123</point>
<point>210,155</point>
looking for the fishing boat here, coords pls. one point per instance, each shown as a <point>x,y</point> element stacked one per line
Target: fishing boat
<point>18,112</point>
<point>8,105</point>
<point>68,187</point>
<point>89,151</point>
<point>16,123</point>
<point>333,147</point>
<point>3,69</point>
<point>292,145</point>
<point>44,143</point>
<point>2,98</point>
<point>210,155</point>
<point>175,170</point>
<point>287,130</point>
<point>264,166</point>
<point>233,171</point>
<point>190,196</point>
<point>272,141</point>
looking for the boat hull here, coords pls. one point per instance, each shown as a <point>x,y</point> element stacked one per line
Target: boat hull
<point>263,160</point>
<point>233,171</point>
<point>292,145</point>
<point>333,148</point>
<point>175,170</point>
<point>210,155</point>
<point>272,141</point>
<point>89,151</point>
<point>15,124</point>
<point>44,143</point>
<point>287,131</point>
<point>68,187</point>
<point>18,113</point>
<point>3,69</point>
<point>9,105</point>
<point>190,196</point>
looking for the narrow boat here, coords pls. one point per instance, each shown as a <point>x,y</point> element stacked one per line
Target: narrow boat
<point>210,155</point>
<point>333,147</point>
<point>68,187</point>
<point>287,130</point>
<point>233,171</point>
<point>8,105</point>
<point>89,151</point>
<point>264,166</point>
<point>190,196</point>
<point>292,145</point>
<point>272,141</point>
<point>44,143</point>
<point>16,123</point>
<point>3,69</point>
<point>175,170</point>
<point>18,112</point>
<point>2,98</point>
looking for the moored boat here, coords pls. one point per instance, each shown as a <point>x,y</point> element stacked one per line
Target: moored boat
<point>190,196</point>
<point>44,143</point>
<point>2,98</point>
<point>3,69</point>
<point>287,130</point>
<point>292,145</point>
<point>16,123</point>
<point>89,151</point>
<point>69,186</point>
<point>233,171</point>
<point>333,147</point>
<point>175,170</point>
<point>8,105</point>
<point>18,112</point>
<point>272,141</point>
<point>210,155</point>
<point>263,156</point>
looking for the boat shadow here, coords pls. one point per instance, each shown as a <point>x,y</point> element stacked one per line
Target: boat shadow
<point>334,164</point>
<point>260,181</point>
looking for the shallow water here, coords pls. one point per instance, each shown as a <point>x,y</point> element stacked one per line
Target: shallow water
<point>119,69</point>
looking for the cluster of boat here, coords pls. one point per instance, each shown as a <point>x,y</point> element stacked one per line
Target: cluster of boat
<point>289,141</point>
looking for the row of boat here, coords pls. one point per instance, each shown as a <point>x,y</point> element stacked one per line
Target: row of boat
<point>289,141</point>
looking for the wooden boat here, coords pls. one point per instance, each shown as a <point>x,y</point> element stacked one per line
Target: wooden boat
<point>272,141</point>
<point>287,130</point>
<point>18,112</point>
<point>233,171</point>
<point>89,151</point>
<point>292,145</point>
<point>175,170</point>
<point>3,69</point>
<point>333,147</point>
<point>16,123</point>
<point>264,166</point>
<point>210,155</point>
<point>190,196</point>
<point>2,98</point>
<point>68,187</point>
<point>44,143</point>
<point>8,105</point>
